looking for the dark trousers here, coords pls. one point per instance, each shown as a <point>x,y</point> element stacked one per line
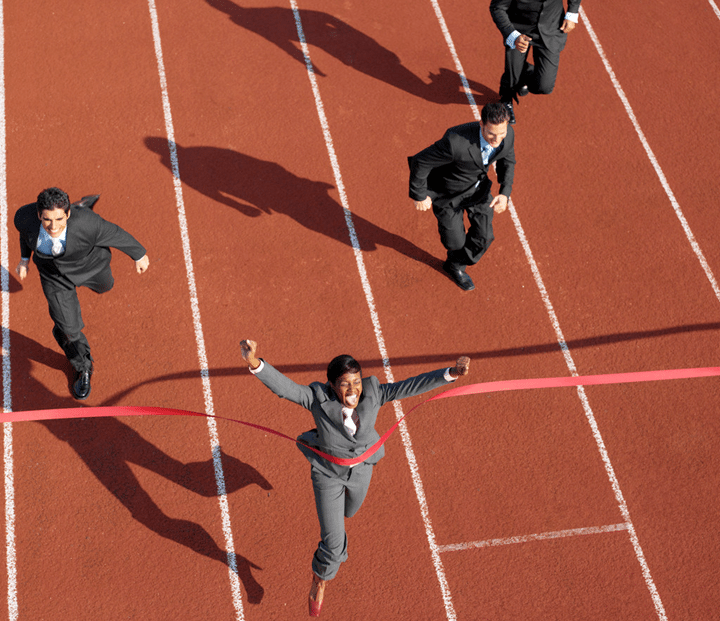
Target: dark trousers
<point>542,79</point>
<point>65,312</point>
<point>336,498</point>
<point>465,248</point>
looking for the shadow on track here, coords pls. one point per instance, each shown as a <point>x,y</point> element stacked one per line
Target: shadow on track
<point>254,187</point>
<point>351,47</point>
<point>107,446</point>
<point>435,358</point>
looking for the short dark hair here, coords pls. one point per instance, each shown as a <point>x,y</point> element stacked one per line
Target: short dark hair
<point>340,365</point>
<point>52,198</point>
<point>494,113</point>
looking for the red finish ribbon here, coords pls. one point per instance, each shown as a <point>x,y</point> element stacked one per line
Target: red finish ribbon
<point>472,389</point>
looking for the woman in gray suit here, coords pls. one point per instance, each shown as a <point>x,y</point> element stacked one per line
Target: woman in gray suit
<point>345,410</point>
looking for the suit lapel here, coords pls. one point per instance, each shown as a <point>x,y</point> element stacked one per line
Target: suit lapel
<point>476,155</point>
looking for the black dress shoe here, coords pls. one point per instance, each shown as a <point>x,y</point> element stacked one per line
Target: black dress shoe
<point>459,277</point>
<point>87,201</point>
<point>525,78</point>
<point>509,106</point>
<point>81,386</point>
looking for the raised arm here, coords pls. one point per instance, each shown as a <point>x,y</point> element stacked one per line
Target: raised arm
<point>281,385</point>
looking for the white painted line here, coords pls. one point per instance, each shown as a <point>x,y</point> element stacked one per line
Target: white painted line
<point>405,435</point>
<point>573,370</point>
<point>574,532</point>
<point>590,416</point>
<point>8,459</point>
<point>651,156</point>
<point>199,338</point>
<point>456,59</point>
<point>715,8</point>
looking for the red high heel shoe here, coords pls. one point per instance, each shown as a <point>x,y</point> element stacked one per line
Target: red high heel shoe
<point>315,599</point>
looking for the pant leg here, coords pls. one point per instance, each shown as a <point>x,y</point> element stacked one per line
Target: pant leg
<point>547,64</point>
<point>514,64</point>
<point>335,499</point>
<point>101,282</point>
<point>357,488</point>
<point>451,226</point>
<point>65,312</point>
<point>480,234</point>
<point>330,504</point>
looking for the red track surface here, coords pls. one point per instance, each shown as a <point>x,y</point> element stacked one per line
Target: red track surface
<point>119,518</point>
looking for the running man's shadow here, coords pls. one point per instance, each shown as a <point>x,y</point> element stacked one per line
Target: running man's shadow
<point>107,446</point>
<point>351,47</point>
<point>254,187</point>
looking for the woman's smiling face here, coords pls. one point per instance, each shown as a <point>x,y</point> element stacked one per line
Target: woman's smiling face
<point>348,388</point>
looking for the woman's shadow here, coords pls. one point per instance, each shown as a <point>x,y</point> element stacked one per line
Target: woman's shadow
<point>348,45</point>
<point>254,187</point>
<point>107,446</point>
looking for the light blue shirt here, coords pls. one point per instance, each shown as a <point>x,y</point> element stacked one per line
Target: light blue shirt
<point>53,246</point>
<point>487,150</point>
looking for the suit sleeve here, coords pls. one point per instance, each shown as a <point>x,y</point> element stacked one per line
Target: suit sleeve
<point>499,13</point>
<point>21,224</point>
<point>110,235</point>
<point>573,6</point>
<point>412,386</point>
<point>506,165</point>
<point>421,164</point>
<point>284,387</point>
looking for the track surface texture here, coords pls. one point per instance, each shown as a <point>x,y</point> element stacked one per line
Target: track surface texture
<point>258,150</point>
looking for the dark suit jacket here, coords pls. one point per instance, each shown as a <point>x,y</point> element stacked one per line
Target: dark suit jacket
<point>540,19</point>
<point>448,170</point>
<point>331,436</point>
<point>88,242</point>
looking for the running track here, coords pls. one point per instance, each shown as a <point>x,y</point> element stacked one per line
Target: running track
<point>596,503</point>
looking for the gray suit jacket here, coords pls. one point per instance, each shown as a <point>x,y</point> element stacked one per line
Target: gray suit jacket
<point>331,436</point>
<point>88,242</point>
<point>448,170</point>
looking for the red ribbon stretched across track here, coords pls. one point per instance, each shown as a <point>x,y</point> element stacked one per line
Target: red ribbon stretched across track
<point>472,389</point>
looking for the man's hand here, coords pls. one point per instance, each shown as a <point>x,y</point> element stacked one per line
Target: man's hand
<point>248,349</point>
<point>22,269</point>
<point>499,203</point>
<point>462,367</point>
<point>423,205</point>
<point>567,26</point>
<point>141,265</point>
<point>522,43</point>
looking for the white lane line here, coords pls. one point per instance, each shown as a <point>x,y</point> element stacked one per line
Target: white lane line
<point>456,59</point>
<point>651,156</point>
<point>405,435</point>
<point>8,460</point>
<point>715,8</point>
<point>589,415</point>
<point>557,534</point>
<point>199,338</point>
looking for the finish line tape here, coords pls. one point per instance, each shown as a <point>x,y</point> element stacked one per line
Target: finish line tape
<point>472,389</point>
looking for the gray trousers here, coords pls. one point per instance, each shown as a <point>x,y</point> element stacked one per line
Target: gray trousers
<point>336,498</point>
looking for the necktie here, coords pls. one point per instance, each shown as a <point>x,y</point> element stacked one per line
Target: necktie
<point>349,417</point>
<point>57,248</point>
<point>486,153</point>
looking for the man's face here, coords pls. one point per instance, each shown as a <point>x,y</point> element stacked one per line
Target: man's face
<point>54,221</point>
<point>494,134</point>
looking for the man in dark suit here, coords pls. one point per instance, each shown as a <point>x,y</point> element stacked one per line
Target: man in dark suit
<point>544,24</point>
<point>70,245</point>
<point>451,177</point>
